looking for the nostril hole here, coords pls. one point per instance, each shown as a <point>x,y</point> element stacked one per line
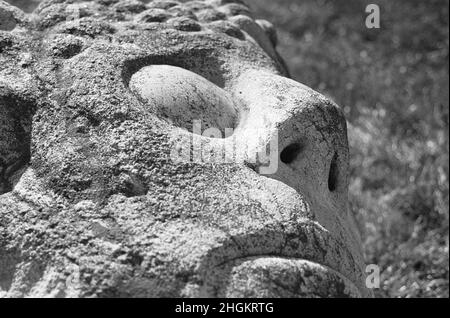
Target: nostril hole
<point>333,177</point>
<point>290,153</point>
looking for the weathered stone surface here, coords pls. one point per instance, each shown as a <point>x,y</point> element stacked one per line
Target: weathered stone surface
<point>10,17</point>
<point>92,94</point>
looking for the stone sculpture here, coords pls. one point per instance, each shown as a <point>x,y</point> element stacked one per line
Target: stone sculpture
<point>95,96</point>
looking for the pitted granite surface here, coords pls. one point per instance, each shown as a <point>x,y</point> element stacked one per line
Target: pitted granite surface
<point>92,94</point>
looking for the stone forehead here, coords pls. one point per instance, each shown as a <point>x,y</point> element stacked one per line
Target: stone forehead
<point>224,26</point>
<point>182,15</point>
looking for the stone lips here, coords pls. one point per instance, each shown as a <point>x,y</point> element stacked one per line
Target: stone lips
<point>95,207</point>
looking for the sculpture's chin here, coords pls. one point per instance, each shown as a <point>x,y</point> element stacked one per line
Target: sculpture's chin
<point>273,277</point>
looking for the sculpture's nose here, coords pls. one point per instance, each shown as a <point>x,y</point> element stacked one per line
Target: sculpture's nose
<point>300,134</point>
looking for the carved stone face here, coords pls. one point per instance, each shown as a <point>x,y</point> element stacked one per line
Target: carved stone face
<point>94,98</point>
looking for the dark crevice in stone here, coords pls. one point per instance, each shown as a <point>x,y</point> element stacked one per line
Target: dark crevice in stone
<point>9,259</point>
<point>15,138</point>
<point>291,152</point>
<point>333,178</point>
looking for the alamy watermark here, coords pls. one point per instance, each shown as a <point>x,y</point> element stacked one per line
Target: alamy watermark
<point>212,146</point>
<point>373,278</point>
<point>373,18</point>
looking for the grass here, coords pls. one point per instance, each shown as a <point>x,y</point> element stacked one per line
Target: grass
<point>393,85</point>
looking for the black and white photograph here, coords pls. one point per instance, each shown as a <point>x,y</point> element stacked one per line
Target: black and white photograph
<point>224,154</point>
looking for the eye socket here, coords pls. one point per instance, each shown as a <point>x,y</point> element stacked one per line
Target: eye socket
<point>291,152</point>
<point>185,98</point>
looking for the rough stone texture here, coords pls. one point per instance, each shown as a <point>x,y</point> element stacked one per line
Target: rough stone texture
<point>91,205</point>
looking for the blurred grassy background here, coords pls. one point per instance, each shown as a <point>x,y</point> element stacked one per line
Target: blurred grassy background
<point>393,84</point>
